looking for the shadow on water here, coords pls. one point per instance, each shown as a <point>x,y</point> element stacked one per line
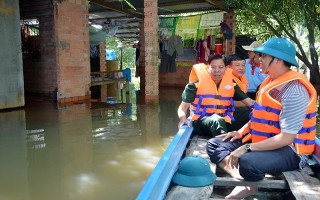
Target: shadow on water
<point>88,151</point>
<point>83,151</point>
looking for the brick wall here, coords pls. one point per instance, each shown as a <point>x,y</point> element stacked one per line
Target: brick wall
<point>72,50</point>
<point>40,74</point>
<point>63,70</point>
<point>179,78</point>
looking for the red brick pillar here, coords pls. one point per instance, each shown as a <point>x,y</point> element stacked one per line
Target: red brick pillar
<point>71,23</point>
<point>149,71</point>
<point>149,52</point>
<point>229,45</point>
<point>103,68</point>
<point>102,49</point>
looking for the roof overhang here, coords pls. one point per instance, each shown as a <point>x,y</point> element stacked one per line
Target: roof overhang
<point>122,17</point>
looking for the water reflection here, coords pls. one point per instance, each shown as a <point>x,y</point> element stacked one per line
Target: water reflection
<point>13,154</point>
<point>84,151</point>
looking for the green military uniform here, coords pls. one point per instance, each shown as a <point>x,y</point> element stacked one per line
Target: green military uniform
<point>215,125</point>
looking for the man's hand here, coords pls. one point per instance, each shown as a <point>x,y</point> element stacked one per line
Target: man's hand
<point>234,135</point>
<point>233,158</point>
<point>183,120</point>
<point>182,112</point>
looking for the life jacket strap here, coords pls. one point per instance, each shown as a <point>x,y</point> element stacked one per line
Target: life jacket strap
<point>267,108</point>
<point>263,134</point>
<point>302,141</point>
<point>213,96</point>
<point>264,121</point>
<point>307,130</point>
<point>311,115</point>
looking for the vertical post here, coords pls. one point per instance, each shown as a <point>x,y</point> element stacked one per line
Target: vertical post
<point>121,58</point>
<point>72,53</point>
<point>149,52</point>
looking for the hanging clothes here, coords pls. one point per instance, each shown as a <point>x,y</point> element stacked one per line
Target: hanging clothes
<point>198,48</point>
<point>168,63</point>
<point>127,74</point>
<point>206,51</point>
<point>175,44</point>
<point>137,74</point>
<point>170,49</point>
<point>211,43</point>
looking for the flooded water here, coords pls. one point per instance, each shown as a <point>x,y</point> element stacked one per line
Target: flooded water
<point>83,151</point>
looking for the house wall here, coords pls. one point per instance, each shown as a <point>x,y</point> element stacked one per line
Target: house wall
<point>179,78</point>
<point>62,71</point>
<point>40,73</point>
<point>11,81</point>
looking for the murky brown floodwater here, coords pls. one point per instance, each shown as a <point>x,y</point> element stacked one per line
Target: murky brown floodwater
<point>83,152</point>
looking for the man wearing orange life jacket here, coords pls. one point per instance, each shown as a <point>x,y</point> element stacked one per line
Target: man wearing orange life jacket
<point>209,95</point>
<point>282,125</point>
<point>242,111</point>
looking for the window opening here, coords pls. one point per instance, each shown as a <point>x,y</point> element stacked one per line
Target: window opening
<point>30,38</point>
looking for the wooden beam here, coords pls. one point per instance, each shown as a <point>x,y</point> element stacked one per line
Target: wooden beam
<point>179,3</point>
<point>302,185</point>
<point>187,11</point>
<point>97,81</point>
<point>130,27</point>
<point>129,24</point>
<point>128,36</point>
<point>266,183</point>
<point>114,8</point>
<point>219,4</point>
<point>128,30</point>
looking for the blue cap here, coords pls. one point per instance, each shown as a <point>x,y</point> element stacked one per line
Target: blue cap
<point>194,171</point>
<point>279,48</point>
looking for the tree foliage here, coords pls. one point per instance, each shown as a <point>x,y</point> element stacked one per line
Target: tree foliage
<point>297,20</point>
<point>128,53</point>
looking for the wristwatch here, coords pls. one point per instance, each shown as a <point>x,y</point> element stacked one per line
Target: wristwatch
<point>248,147</point>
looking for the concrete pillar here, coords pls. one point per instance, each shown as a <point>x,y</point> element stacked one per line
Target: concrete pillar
<point>72,50</point>
<point>229,45</point>
<point>149,75</point>
<point>11,67</point>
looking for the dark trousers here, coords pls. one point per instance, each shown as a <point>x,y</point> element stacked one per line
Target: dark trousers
<point>241,116</point>
<point>252,95</point>
<point>209,126</point>
<point>215,125</point>
<point>254,165</point>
